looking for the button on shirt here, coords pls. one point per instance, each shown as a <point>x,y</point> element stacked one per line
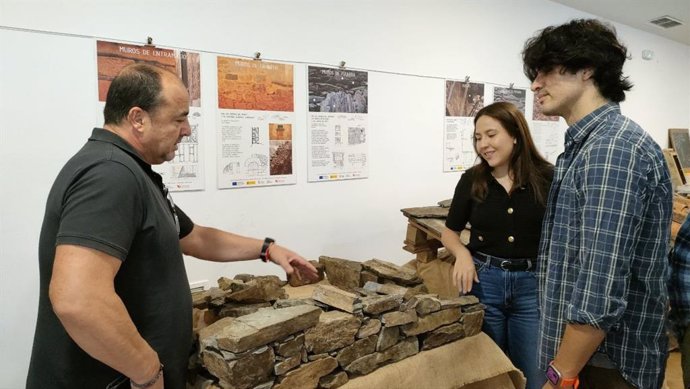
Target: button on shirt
<point>503,225</point>
<point>603,252</point>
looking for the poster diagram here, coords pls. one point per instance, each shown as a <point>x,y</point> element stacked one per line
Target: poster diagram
<point>337,124</point>
<point>256,118</point>
<point>463,101</point>
<point>517,97</point>
<point>185,171</point>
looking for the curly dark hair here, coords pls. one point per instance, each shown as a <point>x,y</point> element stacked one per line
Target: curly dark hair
<point>580,44</point>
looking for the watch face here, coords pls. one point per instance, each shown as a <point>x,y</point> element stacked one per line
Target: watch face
<point>552,375</point>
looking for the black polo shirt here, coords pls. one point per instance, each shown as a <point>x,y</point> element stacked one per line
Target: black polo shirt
<point>107,198</point>
<point>503,225</point>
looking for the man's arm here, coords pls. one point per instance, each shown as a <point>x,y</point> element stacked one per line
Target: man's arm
<point>579,342</point>
<point>215,245</point>
<point>83,296</point>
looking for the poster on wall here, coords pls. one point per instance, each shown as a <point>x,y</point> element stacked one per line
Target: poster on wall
<point>548,132</point>
<point>337,124</point>
<point>185,171</point>
<point>463,101</point>
<point>255,123</point>
<point>515,96</point>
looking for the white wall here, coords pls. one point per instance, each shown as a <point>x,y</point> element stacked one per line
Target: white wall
<point>48,89</point>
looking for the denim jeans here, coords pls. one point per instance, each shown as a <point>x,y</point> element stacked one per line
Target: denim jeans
<point>511,317</point>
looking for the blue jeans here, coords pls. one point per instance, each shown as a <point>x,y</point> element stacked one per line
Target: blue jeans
<point>511,317</point>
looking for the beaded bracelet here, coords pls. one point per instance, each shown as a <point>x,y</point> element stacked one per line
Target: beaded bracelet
<point>150,382</point>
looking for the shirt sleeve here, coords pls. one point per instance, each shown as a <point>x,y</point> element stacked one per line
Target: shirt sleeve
<point>611,181</point>
<point>186,223</point>
<point>679,287</point>
<point>460,207</point>
<point>102,209</point>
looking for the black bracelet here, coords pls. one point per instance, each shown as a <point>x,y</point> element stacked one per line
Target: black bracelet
<point>264,249</point>
<point>150,382</point>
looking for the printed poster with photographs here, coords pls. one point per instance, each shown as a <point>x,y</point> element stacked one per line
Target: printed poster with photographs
<point>185,171</point>
<point>463,101</point>
<point>256,118</point>
<point>337,124</point>
<point>548,132</point>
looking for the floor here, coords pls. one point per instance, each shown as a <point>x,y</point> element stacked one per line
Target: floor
<point>674,374</point>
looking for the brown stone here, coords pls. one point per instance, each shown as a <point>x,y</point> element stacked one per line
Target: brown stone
<point>427,304</point>
<point>445,203</point>
<point>364,365</point>
<point>259,328</point>
<point>287,364</point>
<point>406,348</point>
<point>334,330</point>
<point>366,276</point>
<point>472,322</point>
<point>284,303</point>
<point>415,290</point>
<point>343,273</point>
<point>336,297</point>
<point>231,285</point>
<point>387,338</point>
<point>390,271</point>
<point>215,297</point>
<point>426,212</point>
<point>260,289</point>
<point>333,381</point>
<point>357,350</point>
<point>398,318</point>
<point>432,321</point>
<point>368,328</point>
<point>291,346</point>
<point>378,304</point>
<point>244,372</point>
<point>443,335</point>
<point>308,375</point>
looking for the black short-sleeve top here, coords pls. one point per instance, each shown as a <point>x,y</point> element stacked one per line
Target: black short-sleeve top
<point>504,225</point>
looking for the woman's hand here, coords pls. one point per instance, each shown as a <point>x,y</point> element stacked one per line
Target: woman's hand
<point>464,272</point>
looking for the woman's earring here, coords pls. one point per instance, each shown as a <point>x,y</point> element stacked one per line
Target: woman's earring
<point>514,141</point>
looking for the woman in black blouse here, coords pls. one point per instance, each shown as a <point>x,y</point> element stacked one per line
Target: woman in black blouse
<point>503,199</point>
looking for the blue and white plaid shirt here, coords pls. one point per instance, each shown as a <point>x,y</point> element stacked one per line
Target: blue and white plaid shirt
<point>679,288</point>
<point>603,256</point>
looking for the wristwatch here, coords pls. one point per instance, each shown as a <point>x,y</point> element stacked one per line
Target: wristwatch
<point>264,249</point>
<point>556,378</point>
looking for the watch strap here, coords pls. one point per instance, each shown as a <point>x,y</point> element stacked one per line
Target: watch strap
<point>264,255</point>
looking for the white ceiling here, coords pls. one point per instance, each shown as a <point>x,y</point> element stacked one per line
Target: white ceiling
<point>638,13</point>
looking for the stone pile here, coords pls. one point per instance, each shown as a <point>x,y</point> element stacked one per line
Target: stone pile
<point>370,314</point>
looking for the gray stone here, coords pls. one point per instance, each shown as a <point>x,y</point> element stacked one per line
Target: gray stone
<point>343,273</point>
<point>387,338</point>
<point>215,297</point>
<point>237,310</point>
<point>289,347</point>
<point>265,385</point>
<point>472,322</point>
<point>288,364</point>
<point>259,328</point>
<point>357,350</point>
<point>333,381</point>
<point>432,321</point>
<point>308,375</point>
<point>334,330</point>
<point>385,288</point>
<point>335,297</point>
<point>443,335</point>
<point>398,318</point>
<point>368,328</point>
<point>445,203</point>
<point>251,369</point>
<point>244,277</point>
<point>390,271</point>
<point>284,303</point>
<point>231,285</point>
<point>378,304</point>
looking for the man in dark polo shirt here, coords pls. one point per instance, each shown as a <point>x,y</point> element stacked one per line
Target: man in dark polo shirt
<point>114,307</point>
